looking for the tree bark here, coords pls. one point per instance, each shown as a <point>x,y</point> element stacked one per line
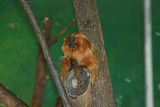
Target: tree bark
<point>88,22</point>
<point>41,75</point>
<point>46,52</point>
<point>9,99</point>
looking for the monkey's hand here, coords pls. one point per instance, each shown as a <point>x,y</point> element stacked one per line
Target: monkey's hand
<point>76,79</point>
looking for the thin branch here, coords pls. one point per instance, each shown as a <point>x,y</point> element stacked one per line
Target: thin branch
<point>58,34</point>
<point>46,52</point>
<point>9,99</point>
<point>41,75</point>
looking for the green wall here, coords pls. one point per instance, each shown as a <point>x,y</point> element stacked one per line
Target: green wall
<point>122,23</point>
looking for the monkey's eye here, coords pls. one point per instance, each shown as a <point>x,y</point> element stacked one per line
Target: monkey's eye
<point>71,42</point>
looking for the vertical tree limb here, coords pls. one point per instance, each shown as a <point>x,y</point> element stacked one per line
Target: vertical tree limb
<point>88,22</point>
<point>40,81</point>
<point>58,102</point>
<point>9,99</point>
<point>41,75</point>
<point>46,52</point>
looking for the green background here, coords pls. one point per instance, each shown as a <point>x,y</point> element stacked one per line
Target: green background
<point>122,23</point>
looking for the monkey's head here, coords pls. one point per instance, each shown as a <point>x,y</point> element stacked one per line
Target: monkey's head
<point>75,43</point>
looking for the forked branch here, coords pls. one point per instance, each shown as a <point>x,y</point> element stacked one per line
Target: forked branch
<point>46,52</point>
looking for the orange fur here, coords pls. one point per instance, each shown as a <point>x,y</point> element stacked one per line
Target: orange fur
<point>64,67</point>
<point>84,52</point>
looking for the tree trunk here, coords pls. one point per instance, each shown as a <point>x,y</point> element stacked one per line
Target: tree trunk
<point>88,22</point>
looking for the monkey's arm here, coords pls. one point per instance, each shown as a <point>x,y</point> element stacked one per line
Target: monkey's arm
<point>65,65</point>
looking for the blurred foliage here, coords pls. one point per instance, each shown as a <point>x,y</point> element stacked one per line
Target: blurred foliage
<point>122,23</point>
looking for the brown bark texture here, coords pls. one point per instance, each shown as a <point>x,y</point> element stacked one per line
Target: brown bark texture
<point>9,99</point>
<point>41,75</point>
<point>46,52</point>
<point>88,22</point>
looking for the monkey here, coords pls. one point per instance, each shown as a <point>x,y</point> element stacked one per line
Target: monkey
<point>78,47</point>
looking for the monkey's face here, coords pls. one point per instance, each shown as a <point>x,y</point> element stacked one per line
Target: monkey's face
<point>75,43</point>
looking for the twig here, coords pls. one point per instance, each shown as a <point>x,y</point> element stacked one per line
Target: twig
<point>41,76</point>
<point>56,36</point>
<point>9,99</point>
<point>46,52</point>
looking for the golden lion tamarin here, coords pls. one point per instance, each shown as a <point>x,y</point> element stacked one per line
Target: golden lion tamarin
<point>77,46</point>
